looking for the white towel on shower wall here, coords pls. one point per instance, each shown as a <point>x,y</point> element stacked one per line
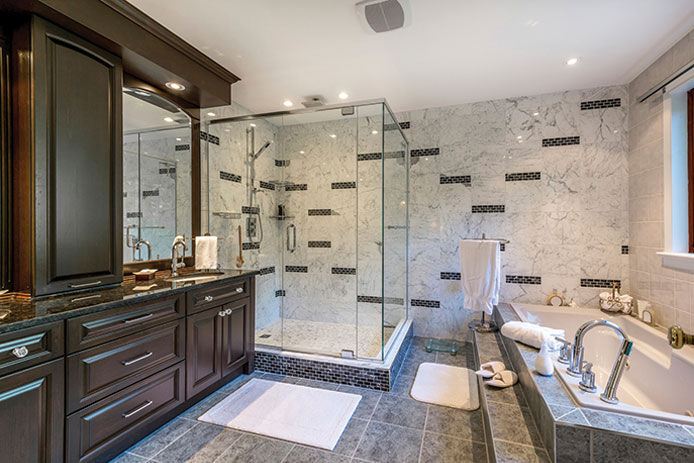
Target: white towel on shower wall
<point>480,274</point>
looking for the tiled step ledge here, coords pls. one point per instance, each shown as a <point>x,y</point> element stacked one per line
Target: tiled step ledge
<point>574,433</point>
<point>512,434</point>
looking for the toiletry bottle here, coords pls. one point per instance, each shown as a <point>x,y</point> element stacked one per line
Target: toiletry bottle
<point>543,361</point>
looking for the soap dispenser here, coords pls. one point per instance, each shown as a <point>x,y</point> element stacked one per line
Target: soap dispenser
<point>543,361</point>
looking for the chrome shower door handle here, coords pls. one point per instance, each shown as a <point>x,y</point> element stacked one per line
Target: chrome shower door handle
<point>291,238</point>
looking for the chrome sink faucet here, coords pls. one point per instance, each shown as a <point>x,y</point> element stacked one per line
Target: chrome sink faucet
<point>576,367</point>
<point>139,244</point>
<point>175,264</point>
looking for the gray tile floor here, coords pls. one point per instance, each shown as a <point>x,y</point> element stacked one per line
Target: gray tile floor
<point>386,427</point>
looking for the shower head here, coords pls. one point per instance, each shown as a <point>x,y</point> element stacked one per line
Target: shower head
<point>262,148</point>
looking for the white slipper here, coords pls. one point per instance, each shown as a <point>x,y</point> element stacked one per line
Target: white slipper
<point>504,378</point>
<point>489,369</point>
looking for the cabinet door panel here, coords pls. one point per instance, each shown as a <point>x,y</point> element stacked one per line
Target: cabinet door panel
<point>203,350</point>
<point>32,414</point>
<point>235,335</point>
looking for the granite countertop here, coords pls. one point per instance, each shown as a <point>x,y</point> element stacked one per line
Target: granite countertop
<point>25,312</point>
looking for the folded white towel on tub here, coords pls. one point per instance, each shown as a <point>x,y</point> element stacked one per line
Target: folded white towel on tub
<point>531,334</point>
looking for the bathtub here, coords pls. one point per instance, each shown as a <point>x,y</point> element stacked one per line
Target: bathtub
<point>657,382</point>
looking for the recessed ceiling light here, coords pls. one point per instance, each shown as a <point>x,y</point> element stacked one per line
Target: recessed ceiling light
<point>536,113</point>
<point>175,86</point>
<point>211,114</point>
<point>168,119</point>
<point>571,61</point>
<point>301,152</point>
<point>343,95</point>
<point>288,103</point>
<point>519,137</point>
<point>332,135</point>
<point>227,130</point>
<point>252,124</point>
<point>374,132</point>
<point>178,139</point>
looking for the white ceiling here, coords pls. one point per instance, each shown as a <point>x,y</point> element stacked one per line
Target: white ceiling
<point>455,51</point>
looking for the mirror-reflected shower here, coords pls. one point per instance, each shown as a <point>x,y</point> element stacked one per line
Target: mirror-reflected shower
<point>321,196</point>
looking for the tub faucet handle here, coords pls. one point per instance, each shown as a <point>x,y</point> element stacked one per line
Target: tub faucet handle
<point>587,382</point>
<point>565,351</point>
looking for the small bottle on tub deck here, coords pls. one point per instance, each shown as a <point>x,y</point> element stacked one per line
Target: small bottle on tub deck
<point>543,361</point>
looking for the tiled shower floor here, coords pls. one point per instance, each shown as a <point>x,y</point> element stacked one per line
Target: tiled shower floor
<point>323,337</point>
<point>386,427</point>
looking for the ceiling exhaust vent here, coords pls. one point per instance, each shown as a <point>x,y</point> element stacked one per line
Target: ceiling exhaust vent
<point>384,15</point>
<point>313,101</point>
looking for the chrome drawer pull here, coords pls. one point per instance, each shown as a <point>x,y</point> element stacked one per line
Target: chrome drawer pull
<point>135,360</point>
<point>239,289</point>
<point>228,311</point>
<point>84,285</point>
<point>20,352</point>
<point>77,299</point>
<point>208,298</point>
<point>138,319</point>
<point>138,409</point>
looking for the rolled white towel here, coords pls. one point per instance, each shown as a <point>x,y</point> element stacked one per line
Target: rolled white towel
<point>531,334</point>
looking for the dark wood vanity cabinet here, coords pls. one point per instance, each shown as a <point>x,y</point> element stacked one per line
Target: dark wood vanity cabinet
<point>67,167</point>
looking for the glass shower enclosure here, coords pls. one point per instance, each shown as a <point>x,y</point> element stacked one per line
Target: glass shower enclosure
<point>317,200</point>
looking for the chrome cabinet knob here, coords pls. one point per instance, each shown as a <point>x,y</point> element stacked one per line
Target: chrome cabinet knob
<point>20,352</point>
<point>239,289</point>
<point>221,313</point>
<point>208,298</point>
<point>228,312</point>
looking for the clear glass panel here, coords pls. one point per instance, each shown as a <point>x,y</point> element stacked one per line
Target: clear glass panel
<point>370,231</point>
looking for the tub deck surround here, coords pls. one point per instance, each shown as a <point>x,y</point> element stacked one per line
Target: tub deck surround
<point>26,312</point>
<point>574,433</point>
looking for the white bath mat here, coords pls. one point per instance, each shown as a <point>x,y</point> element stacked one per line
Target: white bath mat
<point>446,385</point>
<point>301,414</point>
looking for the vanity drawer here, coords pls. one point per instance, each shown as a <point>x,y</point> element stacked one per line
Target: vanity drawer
<point>97,328</point>
<point>113,421</point>
<point>97,372</point>
<point>24,348</point>
<point>212,296</point>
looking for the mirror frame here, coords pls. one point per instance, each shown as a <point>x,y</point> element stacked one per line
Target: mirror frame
<point>194,114</point>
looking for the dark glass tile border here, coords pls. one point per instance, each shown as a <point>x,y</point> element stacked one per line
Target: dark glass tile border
<point>229,176</point>
<point>425,303</point>
<point>524,279</point>
<point>250,209</point>
<point>267,185</point>
<point>148,193</point>
<point>296,268</point>
<point>343,185</point>
<point>601,104</point>
<point>450,275</point>
<point>598,283</point>
<point>209,137</point>
<point>250,246</point>
<point>181,147</point>
<point>133,215</point>
<point>320,212</point>
<point>296,187</point>
<point>488,208</point>
<point>266,270</point>
<point>446,180</point>
<point>344,271</point>
<point>280,292</point>
<point>523,176</point>
<point>560,141</point>
<point>379,300</point>
<point>625,249</point>
<point>169,170</point>
<point>281,162</point>
<point>319,244</point>
<point>424,152</point>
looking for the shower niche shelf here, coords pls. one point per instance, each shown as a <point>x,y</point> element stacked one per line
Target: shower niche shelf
<point>227,214</point>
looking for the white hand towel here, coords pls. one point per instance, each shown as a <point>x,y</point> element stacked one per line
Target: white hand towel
<point>480,274</point>
<point>532,334</point>
<point>206,253</point>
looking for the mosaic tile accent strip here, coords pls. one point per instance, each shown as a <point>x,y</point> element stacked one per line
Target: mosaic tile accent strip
<point>625,249</point>
<point>209,137</point>
<point>366,377</point>
<point>379,300</point>
<point>280,292</point>
<point>560,141</point>
<point>343,185</point>
<point>133,215</point>
<point>148,193</point>
<point>296,187</point>
<point>181,147</point>
<point>403,125</point>
<point>523,280</point>
<point>464,179</point>
<point>344,271</point>
<point>319,244</point>
<point>601,104</point>
<point>320,212</point>
<point>488,208</point>
<point>450,275</point>
<point>229,176</point>
<point>522,176</point>
<point>249,246</point>
<point>281,162</point>
<point>502,247</point>
<point>296,268</point>
<point>424,152</point>
<point>267,185</point>
<point>250,210</point>
<point>266,270</point>
<point>167,170</point>
<point>598,283</point>
<point>425,303</point>
<point>368,156</point>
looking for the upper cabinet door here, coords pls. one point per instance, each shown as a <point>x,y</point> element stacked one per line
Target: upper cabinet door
<point>77,162</point>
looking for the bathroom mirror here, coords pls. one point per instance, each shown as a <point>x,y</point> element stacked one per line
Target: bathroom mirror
<point>157,180</point>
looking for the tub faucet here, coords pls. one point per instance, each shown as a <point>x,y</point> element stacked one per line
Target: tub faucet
<point>677,338</point>
<point>575,368</point>
<point>175,265</point>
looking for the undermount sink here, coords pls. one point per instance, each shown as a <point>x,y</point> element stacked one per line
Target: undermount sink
<point>199,276</point>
